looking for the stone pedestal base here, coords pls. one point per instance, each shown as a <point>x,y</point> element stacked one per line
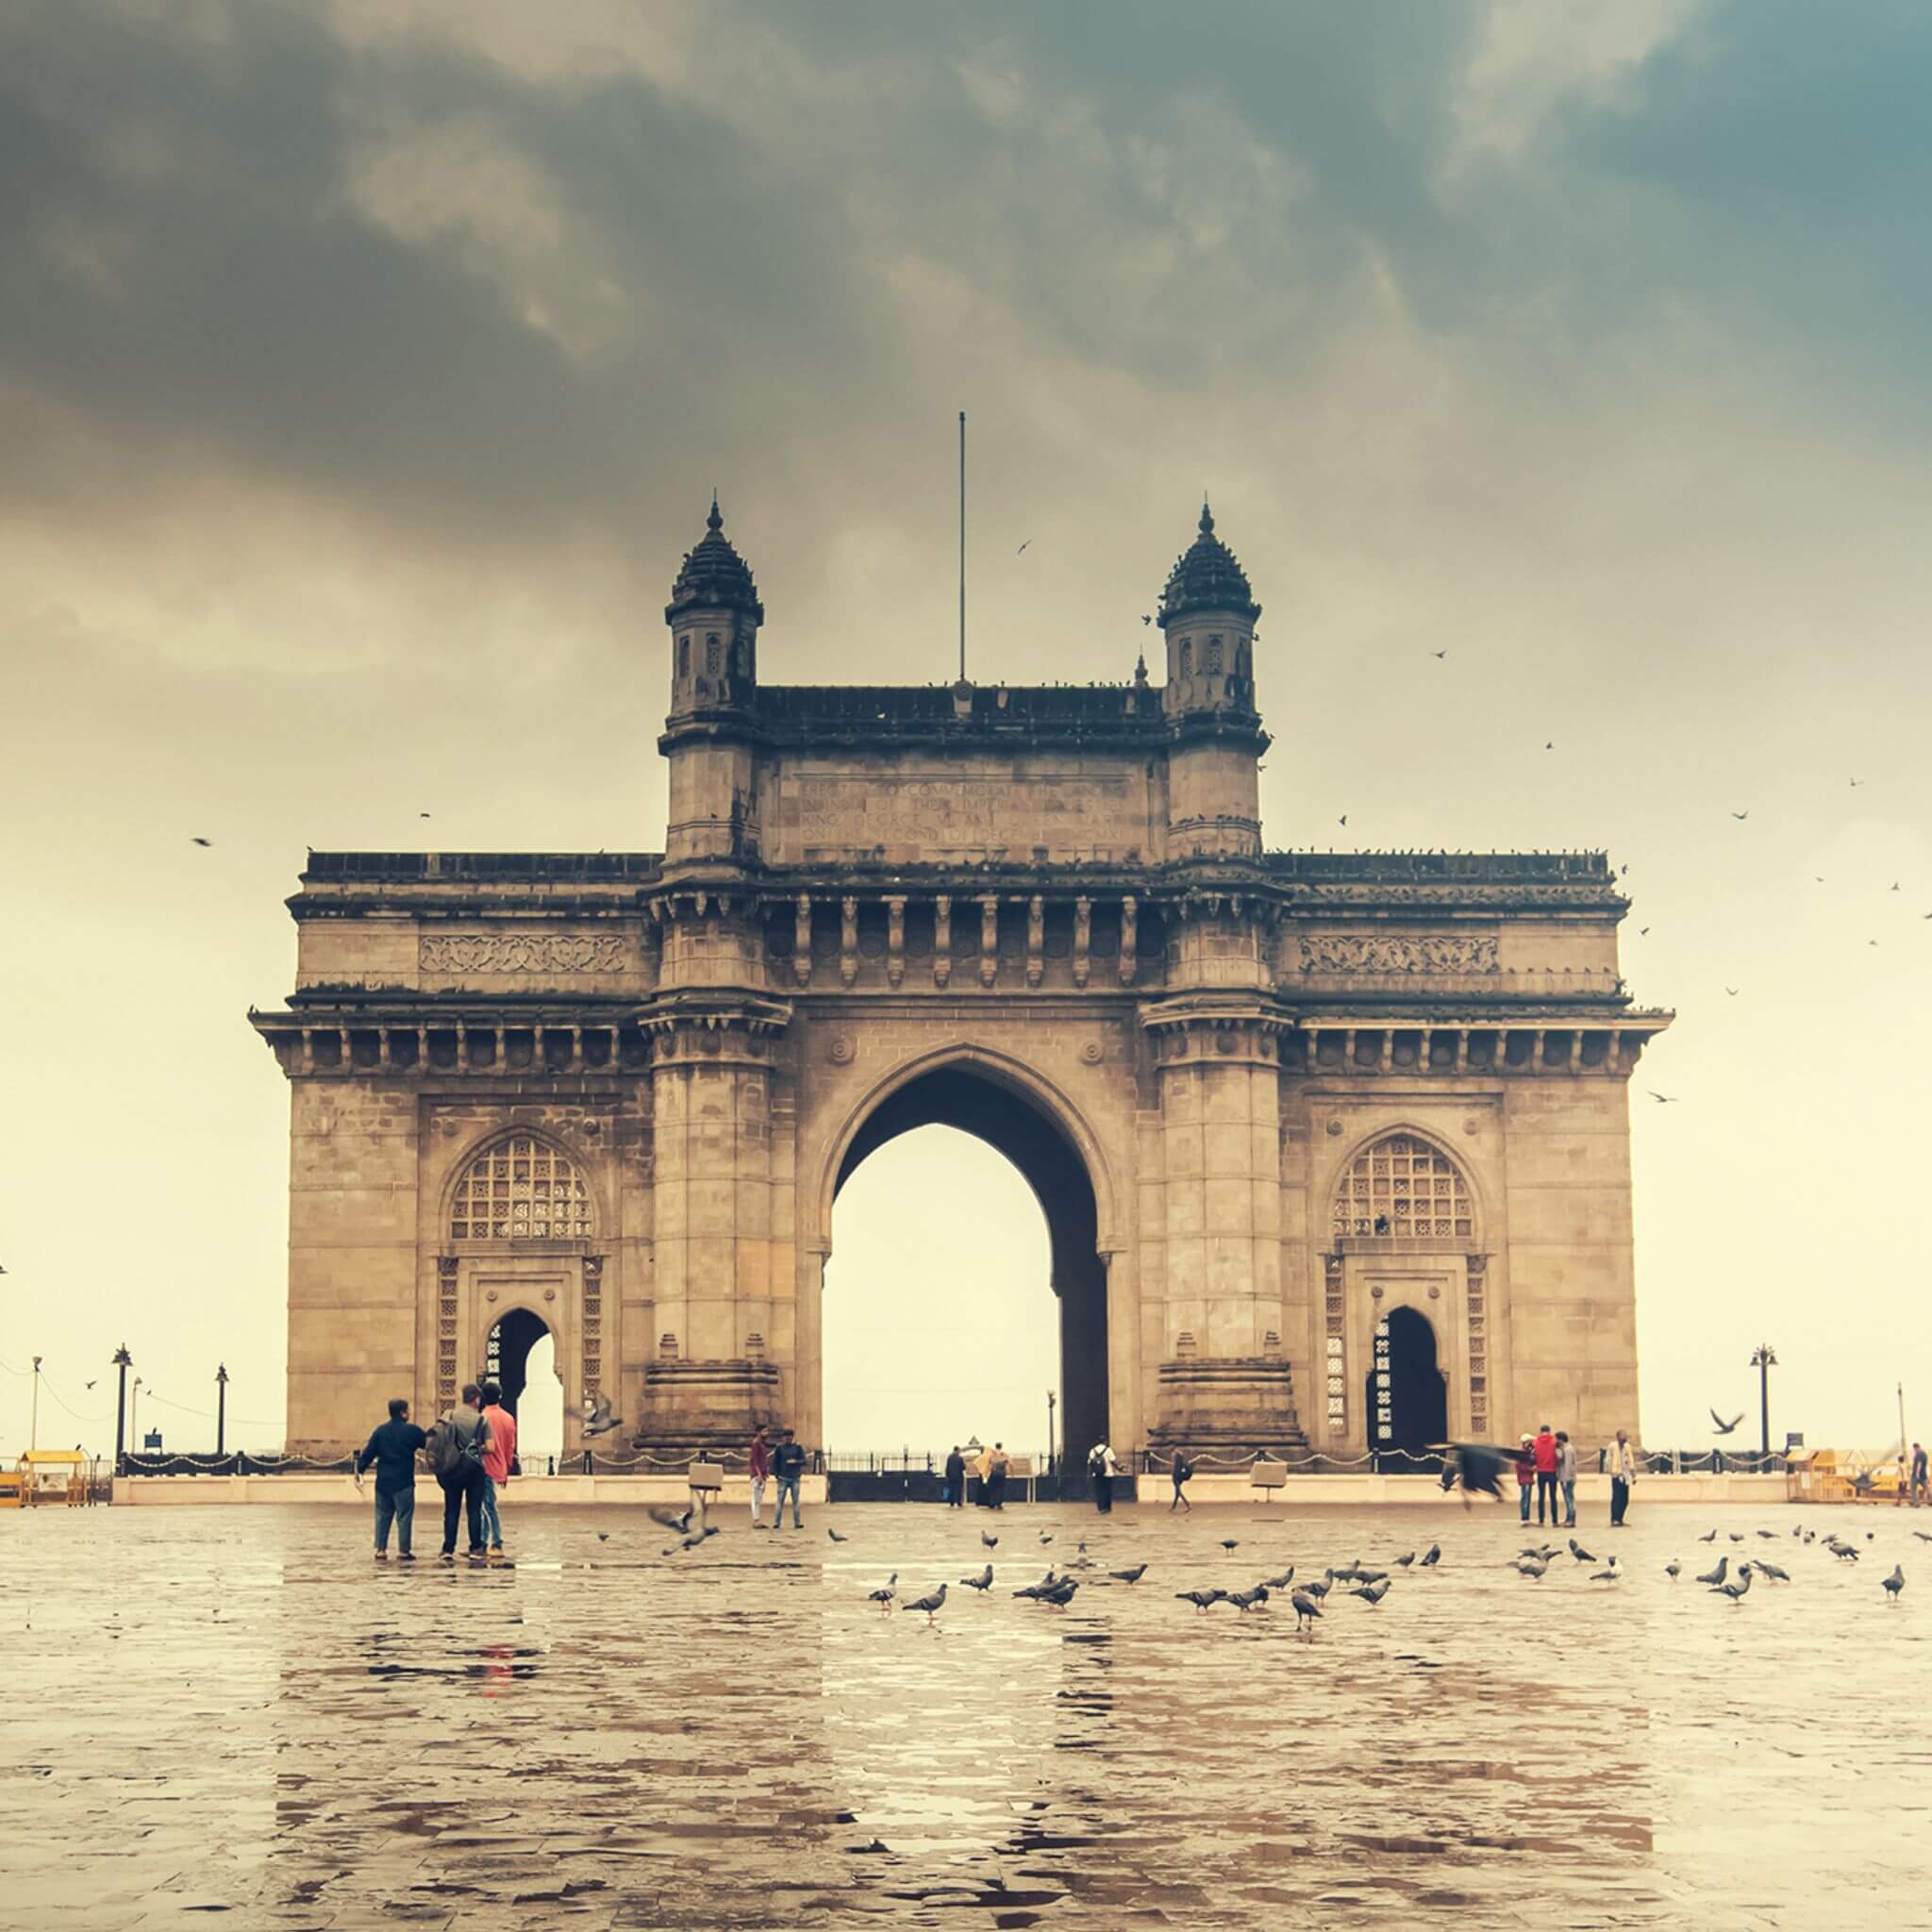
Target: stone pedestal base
<point>1236,1407</point>
<point>706,1407</point>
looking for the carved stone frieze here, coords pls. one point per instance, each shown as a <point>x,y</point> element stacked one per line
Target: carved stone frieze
<point>523,953</point>
<point>1418,953</point>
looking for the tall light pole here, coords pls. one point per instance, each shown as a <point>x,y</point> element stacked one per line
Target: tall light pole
<point>1764,1358</point>
<point>221,1406</point>
<point>134,1415</point>
<point>33,1428</point>
<point>1050,1400</point>
<point>123,1362</point>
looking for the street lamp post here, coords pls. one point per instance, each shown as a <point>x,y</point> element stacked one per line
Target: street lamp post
<point>221,1407</point>
<point>33,1427</point>
<point>1051,1401</point>
<point>1764,1358</point>
<point>123,1362</point>
<point>134,1413</point>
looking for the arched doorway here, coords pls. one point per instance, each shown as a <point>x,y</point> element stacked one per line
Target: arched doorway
<point>973,1098</point>
<point>1407,1396</point>
<point>520,1355</point>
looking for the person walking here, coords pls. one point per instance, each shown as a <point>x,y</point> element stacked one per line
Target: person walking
<point>997,1461</point>
<point>456,1454</point>
<point>1101,1469</point>
<point>499,1460</point>
<point>956,1479</point>
<point>758,1459</point>
<point>392,1447</point>
<point>1525,1476</point>
<point>1620,1460</point>
<point>1546,1454</point>
<point>1183,1472</point>
<point>1921,1491</point>
<point>788,1466</point>
<point>1566,1476</point>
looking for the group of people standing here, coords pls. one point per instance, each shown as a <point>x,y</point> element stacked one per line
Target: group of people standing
<point>471,1451</point>
<point>1546,1467</point>
<point>992,1466</point>
<point>775,1456</point>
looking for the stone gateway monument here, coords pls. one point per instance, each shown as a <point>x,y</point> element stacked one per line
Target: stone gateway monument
<point>1333,1148</point>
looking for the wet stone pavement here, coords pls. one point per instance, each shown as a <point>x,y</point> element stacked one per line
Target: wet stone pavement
<point>232,1710</point>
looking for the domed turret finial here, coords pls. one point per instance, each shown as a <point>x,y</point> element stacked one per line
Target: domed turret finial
<point>714,521</point>
<point>1206,517</point>
<point>714,576</point>
<point>1207,578</point>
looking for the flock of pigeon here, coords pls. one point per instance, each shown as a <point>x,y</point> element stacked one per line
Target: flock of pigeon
<point>1059,1587</point>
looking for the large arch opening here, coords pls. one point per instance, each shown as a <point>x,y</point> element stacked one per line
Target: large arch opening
<point>975,1102</point>
<point>1407,1396</point>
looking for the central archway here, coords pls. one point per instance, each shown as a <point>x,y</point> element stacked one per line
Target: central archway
<point>997,1105</point>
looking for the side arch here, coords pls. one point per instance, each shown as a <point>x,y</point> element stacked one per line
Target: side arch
<point>487,1146</point>
<point>1363,1146</point>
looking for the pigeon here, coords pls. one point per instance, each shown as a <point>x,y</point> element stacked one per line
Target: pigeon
<point>1525,1567</point>
<point>885,1594</point>
<point>931,1605</point>
<point>1372,1593</point>
<point>1767,1532</point>
<point>1848,1552</point>
<point>1021,550</point>
<point>1710,1539</point>
<point>678,1519</point>
<point>1772,1570</point>
<point>603,1536</point>
<point>597,1418</point>
<point>1736,1591</point>
<point>1403,1562</point>
<point>1370,1576</point>
<point>1201,1599</point>
<point>836,1537</point>
<point>1314,1590</point>
<point>982,1582</point>
<point>198,841</point>
<point>1247,1600</point>
<point>1895,1583</point>
<point>1577,1551</point>
<point>1724,1428</point>
<point>1044,1539</point>
<point>1922,1535</point>
<point>1716,1577</point>
<point>1306,1609</point>
<point>1061,1595</point>
<point>1735,1537</point>
<point>1230,1543</point>
<point>1438,654</point>
<point>992,1543</point>
<point>1609,1573</point>
<point>1133,1575</point>
<point>1742,816</point>
<point>1432,1556</point>
<point>1477,1468</point>
<point>1662,1099</point>
<point>1282,1581</point>
<point>1673,1569</point>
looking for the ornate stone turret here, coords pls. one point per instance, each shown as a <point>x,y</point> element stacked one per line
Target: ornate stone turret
<point>715,616</point>
<point>1207,614</point>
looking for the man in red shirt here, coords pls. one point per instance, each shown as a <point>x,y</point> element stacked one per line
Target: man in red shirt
<point>761,1461</point>
<point>1546,1453</point>
<point>498,1455</point>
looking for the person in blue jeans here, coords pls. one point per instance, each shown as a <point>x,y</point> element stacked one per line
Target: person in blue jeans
<point>392,1447</point>
<point>788,1465</point>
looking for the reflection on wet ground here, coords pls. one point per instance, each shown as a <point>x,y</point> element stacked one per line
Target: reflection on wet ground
<point>233,1711</point>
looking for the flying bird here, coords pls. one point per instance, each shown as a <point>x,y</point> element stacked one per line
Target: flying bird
<point>1441,654</point>
<point>1477,1468</point>
<point>597,1417</point>
<point>1740,816</point>
<point>1021,550</point>
<point>202,842</point>
<point>1724,1428</point>
<point>1662,1099</point>
<point>1343,820</point>
<point>1550,745</point>
<point>1732,991</point>
<point>1856,783</point>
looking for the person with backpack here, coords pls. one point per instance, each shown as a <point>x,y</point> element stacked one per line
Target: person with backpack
<point>392,1447</point>
<point>456,1452</point>
<point>1100,1465</point>
<point>1183,1474</point>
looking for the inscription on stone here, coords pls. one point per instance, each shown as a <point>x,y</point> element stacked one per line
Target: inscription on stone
<point>511,952</point>
<point>862,811</point>
<point>1444,952</point>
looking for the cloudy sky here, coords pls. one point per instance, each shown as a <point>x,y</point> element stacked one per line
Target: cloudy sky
<point>365,368</point>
